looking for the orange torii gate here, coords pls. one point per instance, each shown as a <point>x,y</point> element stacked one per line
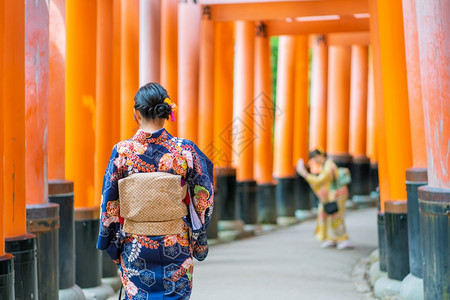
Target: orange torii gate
<point>347,23</point>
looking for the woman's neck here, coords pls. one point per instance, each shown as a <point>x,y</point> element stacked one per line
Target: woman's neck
<point>152,126</point>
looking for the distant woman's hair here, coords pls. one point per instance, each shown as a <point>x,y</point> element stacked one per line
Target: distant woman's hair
<point>316,152</point>
<point>149,101</point>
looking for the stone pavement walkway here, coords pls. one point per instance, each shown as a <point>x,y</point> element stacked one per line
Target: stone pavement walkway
<point>286,264</point>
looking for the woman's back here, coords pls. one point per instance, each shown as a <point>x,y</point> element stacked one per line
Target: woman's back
<point>164,219</point>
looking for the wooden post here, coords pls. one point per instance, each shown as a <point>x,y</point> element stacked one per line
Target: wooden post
<point>434,200</point>
<point>395,94</point>
<point>116,68</point>
<point>129,66</point>
<point>380,135</point>
<point>14,137</point>
<point>395,108</point>
<point>206,82</point>
<point>338,105</point>
<point>416,176</point>
<point>80,98</point>
<point>104,118</point>
<point>149,41</point>
<point>371,147</point>
<point>358,121</point>
<point>301,118</point>
<point>319,79</point>
<point>283,167</point>
<point>169,54</point>
<point>263,123</point>
<point>243,135</point>
<point>189,17</point>
<point>56,93</point>
<point>36,101</point>
<point>220,150</point>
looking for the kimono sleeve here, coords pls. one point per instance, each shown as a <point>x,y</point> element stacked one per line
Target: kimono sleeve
<point>200,181</point>
<point>110,226</point>
<point>325,176</point>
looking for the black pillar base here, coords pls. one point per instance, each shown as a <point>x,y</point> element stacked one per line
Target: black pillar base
<point>7,277</point>
<point>247,197</point>
<point>267,209</point>
<point>213,230</point>
<point>382,242</point>
<point>43,221</point>
<point>25,266</point>
<point>226,192</point>
<point>434,208</point>
<point>109,268</point>
<point>88,259</point>
<point>303,194</point>
<point>360,176</point>
<point>344,161</point>
<point>397,239</point>
<point>414,179</point>
<point>61,192</point>
<point>286,192</point>
<point>373,177</point>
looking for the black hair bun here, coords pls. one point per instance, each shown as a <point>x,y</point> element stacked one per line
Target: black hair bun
<point>162,111</point>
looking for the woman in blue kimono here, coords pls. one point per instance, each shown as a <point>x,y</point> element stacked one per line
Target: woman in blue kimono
<point>156,267</point>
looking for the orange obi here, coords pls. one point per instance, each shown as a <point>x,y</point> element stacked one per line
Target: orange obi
<point>152,203</point>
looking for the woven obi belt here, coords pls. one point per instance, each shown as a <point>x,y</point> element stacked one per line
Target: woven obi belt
<point>152,203</point>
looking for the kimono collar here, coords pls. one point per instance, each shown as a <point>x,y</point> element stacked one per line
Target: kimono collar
<point>142,136</point>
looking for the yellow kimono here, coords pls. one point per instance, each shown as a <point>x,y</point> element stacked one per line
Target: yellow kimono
<point>329,227</point>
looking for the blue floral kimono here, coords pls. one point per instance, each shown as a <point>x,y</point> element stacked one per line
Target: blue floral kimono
<point>157,267</point>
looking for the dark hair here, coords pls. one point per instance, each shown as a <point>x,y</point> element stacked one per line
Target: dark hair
<point>149,101</point>
<point>316,152</point>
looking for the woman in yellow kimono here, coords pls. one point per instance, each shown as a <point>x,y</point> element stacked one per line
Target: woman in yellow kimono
<point>330,228</point>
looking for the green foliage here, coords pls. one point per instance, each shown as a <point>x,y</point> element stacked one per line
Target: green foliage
<point>274,65</point>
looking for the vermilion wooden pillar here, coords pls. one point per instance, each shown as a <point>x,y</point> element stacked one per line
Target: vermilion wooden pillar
<point>129,66</point>
<point>6,259</point>
<point>301,117</point>
<point>395,94</point>
<point>398,144</point>
<point>434,200</point>
<point>36,105</point>
<point>242,127</point>
<point>319,79</point>
<point>416,176</point>
<point>380,136</point>
<point>371,147</point>
<point>224,40</point>
<point>56,92</point>
<point>263,113</point>
<point>283,166</point>
<point>169,54</point>
<point>14,141</point>
<point>220,153</point>
<point>206,82</point>
<point>36,153</point>
<point>149,41</point>
<point>338,105</point>
<point>301,105</point>
<point>80,98</point>
<point>206,97</point>
<point>2,207</point>
<point>189,17</point>
<point>104,118</point>
<point>81,65</point>
<point>357,127</point>
<point>116,68</point>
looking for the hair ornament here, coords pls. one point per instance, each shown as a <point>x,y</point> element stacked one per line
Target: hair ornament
<point>174,108</point>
